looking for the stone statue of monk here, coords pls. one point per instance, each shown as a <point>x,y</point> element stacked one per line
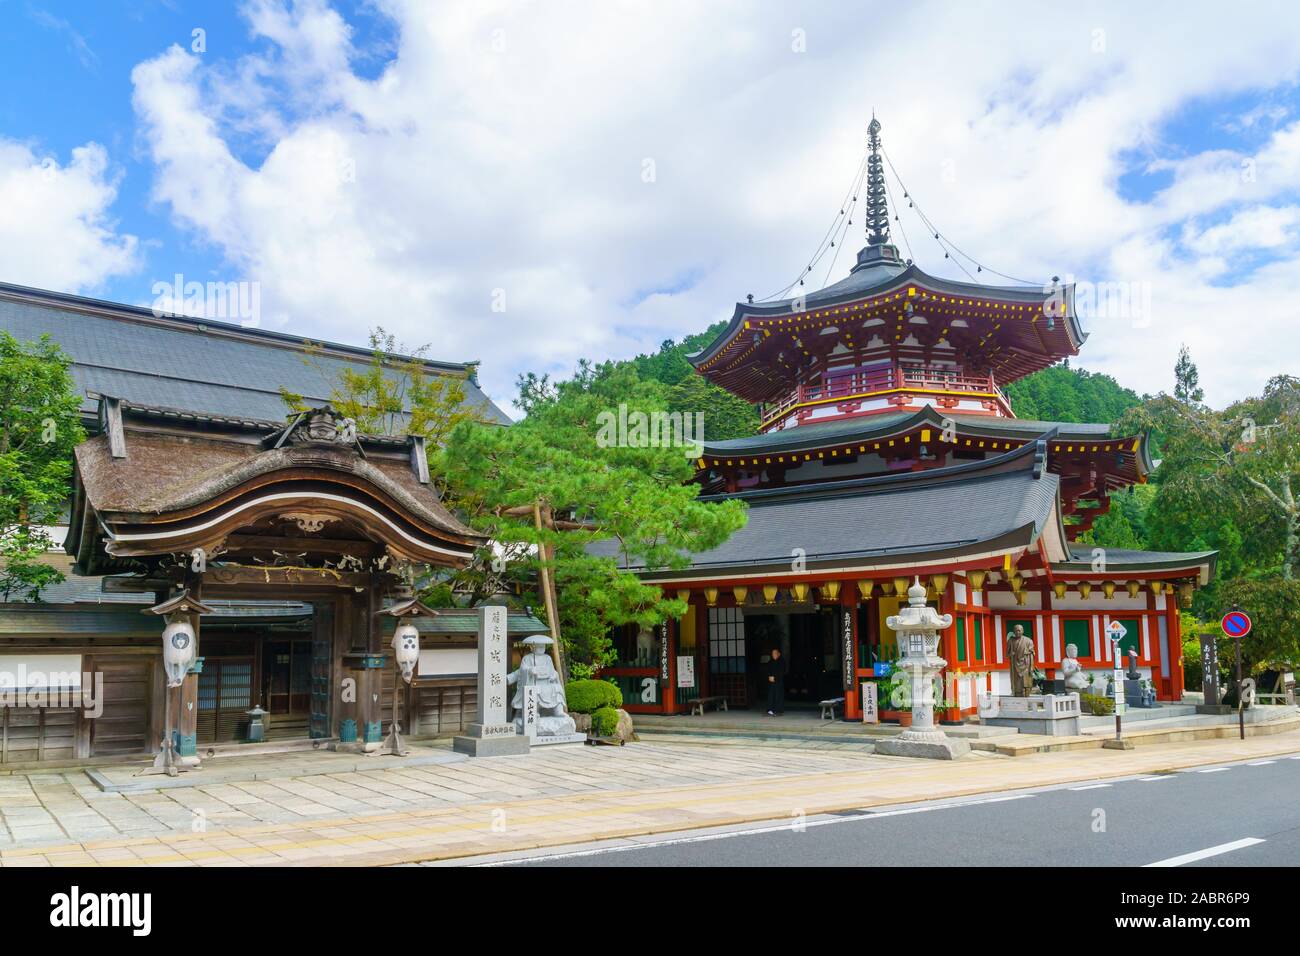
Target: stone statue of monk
<point>1020,649</point>
<point>537,670</point>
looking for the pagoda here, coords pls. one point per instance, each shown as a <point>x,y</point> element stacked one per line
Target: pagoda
<point>889,451</point>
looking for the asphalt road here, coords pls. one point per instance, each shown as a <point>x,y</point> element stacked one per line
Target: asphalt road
<point>1203,817</point>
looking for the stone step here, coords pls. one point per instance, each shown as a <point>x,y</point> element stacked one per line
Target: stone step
<point>1161,712</point>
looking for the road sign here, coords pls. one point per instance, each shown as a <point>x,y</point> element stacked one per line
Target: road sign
<point>1236,624</point>
<point>1116,630</point>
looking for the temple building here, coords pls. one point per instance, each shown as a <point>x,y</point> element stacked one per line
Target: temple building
<point>293,530</point>
<point>889,451</point>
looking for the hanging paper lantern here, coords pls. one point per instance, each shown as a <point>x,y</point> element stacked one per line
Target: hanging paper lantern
<point>406,648</point>
<point>178,649</point>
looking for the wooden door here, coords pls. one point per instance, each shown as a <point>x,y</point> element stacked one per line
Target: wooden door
<point>322,654</point>
<point>123,727</point>
<point>225,696</point>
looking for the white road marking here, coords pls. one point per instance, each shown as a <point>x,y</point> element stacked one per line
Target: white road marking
<point>755,831</point>
<point>1261,763</point>
<point>1154,779</point>
<point>1095,786</point>
<point>1213,769</point>
<point>1208,852</point>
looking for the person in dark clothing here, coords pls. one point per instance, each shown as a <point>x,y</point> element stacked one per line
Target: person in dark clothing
<point>774,676</point>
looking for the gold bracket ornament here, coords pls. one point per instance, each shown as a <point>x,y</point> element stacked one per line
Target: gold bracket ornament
<point>309,522</point>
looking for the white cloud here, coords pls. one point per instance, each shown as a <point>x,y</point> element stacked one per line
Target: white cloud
<point>55,228</point>
<point>503,147</point>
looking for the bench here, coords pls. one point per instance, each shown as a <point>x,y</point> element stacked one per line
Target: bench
<point>699,703</point>
<point>828,707</point>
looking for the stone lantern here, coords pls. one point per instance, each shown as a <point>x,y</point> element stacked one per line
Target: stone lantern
<point>917,626</point>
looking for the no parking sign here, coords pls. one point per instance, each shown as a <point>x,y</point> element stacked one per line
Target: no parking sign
<point>1236,624</point>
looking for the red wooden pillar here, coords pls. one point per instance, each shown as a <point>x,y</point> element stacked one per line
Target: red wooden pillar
<point>1175,646</point>
<point>948,605</point>
<point>700,617</point>
<point>849,650</point>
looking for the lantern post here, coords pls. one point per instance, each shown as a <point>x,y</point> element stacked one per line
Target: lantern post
<point>406,654</point>
<point>179,646</point>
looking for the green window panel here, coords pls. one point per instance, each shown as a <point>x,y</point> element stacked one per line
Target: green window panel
<point>979,638</point>
<point>1079,633</point>
<point>961,638</point>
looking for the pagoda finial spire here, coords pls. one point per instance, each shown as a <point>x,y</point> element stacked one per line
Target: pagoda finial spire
<point>877,204</point>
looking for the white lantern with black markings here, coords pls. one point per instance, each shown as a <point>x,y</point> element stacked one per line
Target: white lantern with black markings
<point>406,648</point>
<point>178,649</point>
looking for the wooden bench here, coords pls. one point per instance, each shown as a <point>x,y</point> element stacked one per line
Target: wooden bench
<point>699,703</point>
<point>828,707</point>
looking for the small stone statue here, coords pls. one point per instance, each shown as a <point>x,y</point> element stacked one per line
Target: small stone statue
<point>538,670</point>
<point>1133,666</point>
<point>1071,672</point>
<point>1020,650</point>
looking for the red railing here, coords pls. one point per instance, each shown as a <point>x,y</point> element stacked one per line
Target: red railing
<point>862,382</point>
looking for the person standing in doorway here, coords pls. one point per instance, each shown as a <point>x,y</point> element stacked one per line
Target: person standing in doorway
<point>774,671</point>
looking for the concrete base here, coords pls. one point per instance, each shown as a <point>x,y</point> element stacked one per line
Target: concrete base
<point>502,746</point>
<point>355,747</point>
<point>546,741</point>
<point>900,746</point>
<point>1110,743</point>
<point>1215,709</point>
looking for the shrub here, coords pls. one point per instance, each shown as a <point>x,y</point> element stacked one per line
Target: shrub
<point>588,696</point>
<point>1097,705</point>
<point>604,722</point>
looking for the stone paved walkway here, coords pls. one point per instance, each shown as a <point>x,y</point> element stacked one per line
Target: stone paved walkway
<point>550,798</point>
<point>66,805</point>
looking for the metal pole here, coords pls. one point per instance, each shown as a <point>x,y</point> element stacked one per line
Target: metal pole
<point>1241,706</point>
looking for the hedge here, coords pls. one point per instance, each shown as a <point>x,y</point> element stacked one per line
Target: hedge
<point>588,696</point>
<point>604,722</point>
<point>1097,705</point>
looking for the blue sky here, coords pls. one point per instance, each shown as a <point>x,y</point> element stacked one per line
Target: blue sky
<point>528,184</point>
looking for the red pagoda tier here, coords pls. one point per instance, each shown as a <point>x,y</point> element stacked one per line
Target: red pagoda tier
<point>889,454</point>
<point>892,369</point>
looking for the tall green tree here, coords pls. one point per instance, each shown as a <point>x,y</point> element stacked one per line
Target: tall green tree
<point>605,483</point>
<point>39,427</point>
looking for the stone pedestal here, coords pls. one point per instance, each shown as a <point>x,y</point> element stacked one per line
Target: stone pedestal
<point>934,744</point>
<point>559,739</point>
<point>1052,715</point>
<point>490,740</point>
